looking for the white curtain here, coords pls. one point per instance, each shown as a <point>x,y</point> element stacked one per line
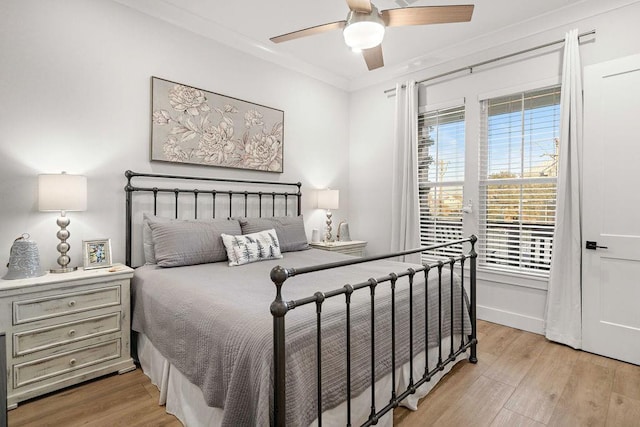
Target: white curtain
<point>564,297</point>
<point>405,210</point>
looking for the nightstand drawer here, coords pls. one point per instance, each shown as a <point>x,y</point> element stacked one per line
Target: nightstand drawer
<point>355,252</point>
<point>62,304</point>
<point>352,247</point>
<point>41,369</point>
<point>42,338</point>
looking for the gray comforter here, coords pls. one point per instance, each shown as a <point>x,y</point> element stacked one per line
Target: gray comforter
<point>213,323</point>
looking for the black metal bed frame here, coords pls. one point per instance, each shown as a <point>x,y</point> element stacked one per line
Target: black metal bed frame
<point>279,307</point>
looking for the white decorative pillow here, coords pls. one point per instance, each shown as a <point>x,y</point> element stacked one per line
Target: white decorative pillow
<point>246,248</point>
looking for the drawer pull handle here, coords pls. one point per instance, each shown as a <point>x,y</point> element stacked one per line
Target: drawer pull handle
<point>72,332</point>
<point>72,303</point>
<point>72,362</point>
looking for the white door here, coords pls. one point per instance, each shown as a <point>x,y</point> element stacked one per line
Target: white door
<point>611,209</point>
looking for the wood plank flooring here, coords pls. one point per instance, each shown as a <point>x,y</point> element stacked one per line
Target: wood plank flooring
<point>521,379</point>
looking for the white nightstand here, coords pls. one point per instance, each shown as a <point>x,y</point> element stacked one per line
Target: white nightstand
<point>354,247</point>
<point>63,329</point>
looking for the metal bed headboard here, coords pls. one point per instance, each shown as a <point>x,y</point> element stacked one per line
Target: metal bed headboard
<point>253,196</point>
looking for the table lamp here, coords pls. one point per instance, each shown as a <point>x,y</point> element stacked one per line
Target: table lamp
<point>328,199</point>
<point>62,192</point>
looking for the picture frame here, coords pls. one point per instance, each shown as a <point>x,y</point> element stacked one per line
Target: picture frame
<point>195,126</point>
<point>96,253</point>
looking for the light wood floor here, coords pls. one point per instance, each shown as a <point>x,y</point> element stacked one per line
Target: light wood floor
<point>521,379</point>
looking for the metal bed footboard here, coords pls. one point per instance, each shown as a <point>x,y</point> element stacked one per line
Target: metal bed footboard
<point>280,307</point>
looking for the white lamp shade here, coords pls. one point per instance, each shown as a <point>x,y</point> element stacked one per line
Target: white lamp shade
<point>62,192</point>
<point>363,35</point>
<point>328,199</point>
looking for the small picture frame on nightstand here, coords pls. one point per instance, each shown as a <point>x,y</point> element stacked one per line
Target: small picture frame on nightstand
<point>97,253</point>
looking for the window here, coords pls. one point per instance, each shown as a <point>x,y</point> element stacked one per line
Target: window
<point>518,174</point>
<point>441,151</point>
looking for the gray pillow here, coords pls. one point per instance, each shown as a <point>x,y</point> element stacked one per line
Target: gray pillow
<point>147,237</point>
<point>290,230</point>
<point>178,243</point>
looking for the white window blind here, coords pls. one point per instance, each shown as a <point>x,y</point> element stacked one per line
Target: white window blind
<point>518,175</point>
<point>441,151</point>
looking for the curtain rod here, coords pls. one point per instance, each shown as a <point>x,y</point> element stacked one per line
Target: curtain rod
<point>500,58</point>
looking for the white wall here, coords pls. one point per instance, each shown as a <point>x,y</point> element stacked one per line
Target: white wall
<point>501,298</point>
<point>75,96</point>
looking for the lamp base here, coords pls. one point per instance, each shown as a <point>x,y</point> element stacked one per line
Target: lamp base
<point>63,270</point>
<point>327,235</point>
<point>63,247</point>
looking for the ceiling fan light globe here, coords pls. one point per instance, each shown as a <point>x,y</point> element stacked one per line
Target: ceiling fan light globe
<point>363,34</point>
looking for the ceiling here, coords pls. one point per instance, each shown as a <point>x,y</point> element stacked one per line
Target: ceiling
<point>247,25</point>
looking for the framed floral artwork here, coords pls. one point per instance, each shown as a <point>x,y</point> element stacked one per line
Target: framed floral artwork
<point>97,253</point>
<point>195,126</point>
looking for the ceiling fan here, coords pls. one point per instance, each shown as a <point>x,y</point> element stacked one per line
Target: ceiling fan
<point>363,29</point>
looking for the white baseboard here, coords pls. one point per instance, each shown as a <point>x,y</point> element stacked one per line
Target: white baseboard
<point>514,320</point>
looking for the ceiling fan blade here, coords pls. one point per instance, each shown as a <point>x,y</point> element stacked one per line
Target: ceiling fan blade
<point>373,57</point>
<point>363,6</point>
<point>422,15</point>
<point>309,31</point>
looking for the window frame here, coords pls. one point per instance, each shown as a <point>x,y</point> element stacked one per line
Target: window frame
<point>522,267</point>
<point>432,235</point>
